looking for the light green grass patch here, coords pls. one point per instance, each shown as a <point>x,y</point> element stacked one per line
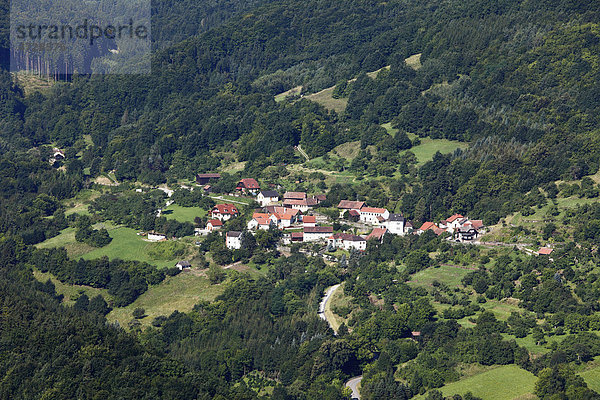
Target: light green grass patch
<point>529,343</point>
<point>506,382</point>
<point>66,239</point>
<point>176,293</point>
<point>325,98</point>
<point>450,275</point>
<point>428,147</point>
<point>127,245</point>
<point>183,214</point>
<point>591,375</point>
<point>70,292</point>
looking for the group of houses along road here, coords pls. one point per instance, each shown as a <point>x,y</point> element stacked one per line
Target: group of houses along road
<point>294,214</point>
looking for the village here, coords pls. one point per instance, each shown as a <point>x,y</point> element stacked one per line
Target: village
<point>293,213</point>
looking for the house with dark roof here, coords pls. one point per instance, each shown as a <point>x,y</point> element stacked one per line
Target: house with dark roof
<point>233,240</point>
<point>395,224</point>
<point>267,197</point>
<point>347,241</point>
<point>183,264</point>
<point>203,179</point>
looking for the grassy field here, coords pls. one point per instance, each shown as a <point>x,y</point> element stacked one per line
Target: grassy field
<point>32,83</point>
<point>507,382</point>
<point>66,239</point>
<point>179,293</point>
<point>450,275</point>
<point>529,343</point>
<point>428,147</point>
<point>183,214</point>
<point>324,98</point>
<point>591,376</point>
<point>70,292</point>
<point>127,245</point>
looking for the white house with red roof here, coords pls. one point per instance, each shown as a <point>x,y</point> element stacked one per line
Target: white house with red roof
<point>309,220</point>
<point>213,225</point>
<point>295,196</point>
<point>248,185</point>
<point>301,205</point>
<point>224,212</point>
<point>373,215</point>
<point>426,226</point>
<point>347,241</point>
<point>453,223</point>
<point>261,221</point>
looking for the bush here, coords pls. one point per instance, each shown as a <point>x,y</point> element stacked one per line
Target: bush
<point>139,313</point>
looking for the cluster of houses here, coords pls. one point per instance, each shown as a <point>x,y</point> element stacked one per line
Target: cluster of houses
<point>461,228</point>
<point>291,213</point>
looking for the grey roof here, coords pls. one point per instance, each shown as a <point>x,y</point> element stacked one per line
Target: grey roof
<point>234,234</point>
<point>396,217</point>
<point>184,263</point>
<point>269,193</point>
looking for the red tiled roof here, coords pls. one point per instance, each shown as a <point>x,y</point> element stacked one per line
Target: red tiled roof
<point>438,231</point>
<point>349,204</point>
<point>453,218</point>
<point>373,210</point>
<point>354,213</point>
<point>209,175</point>
<point>249,183</point>
<point>427,225</point>
<point>295,195</point>
<point>225,209</point>
<point>309,219</point>
<point>294,202</point>
<point>321,197</point>
<point>377,233</point>
<point>297,235</point>
<point>477,223</point>
<point>214,222</point>
<point>544,251</point>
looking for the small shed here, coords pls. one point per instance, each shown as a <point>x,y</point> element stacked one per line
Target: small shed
<point>183,264</point>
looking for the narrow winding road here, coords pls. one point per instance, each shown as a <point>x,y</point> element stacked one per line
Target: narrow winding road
<point>354,382</point>
<point>353,385</point>
<point>328,293</point>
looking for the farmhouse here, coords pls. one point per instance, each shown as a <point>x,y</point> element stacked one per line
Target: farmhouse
<point>183,264</point>
<point>284,220</point>
<point>347,241</point>
<point>295,195</point>
<point>347,205</point>
<point>267,197</point>
<point>203,179</point>
<point>213,225</point>
<point>156,237</point>
<point>224,212</point>
<point>317,233</point>
<point>301,205</point>
<point>248,185</point>
<point>467,232</point>
<point>373,215</point>
<point>233,240</point>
